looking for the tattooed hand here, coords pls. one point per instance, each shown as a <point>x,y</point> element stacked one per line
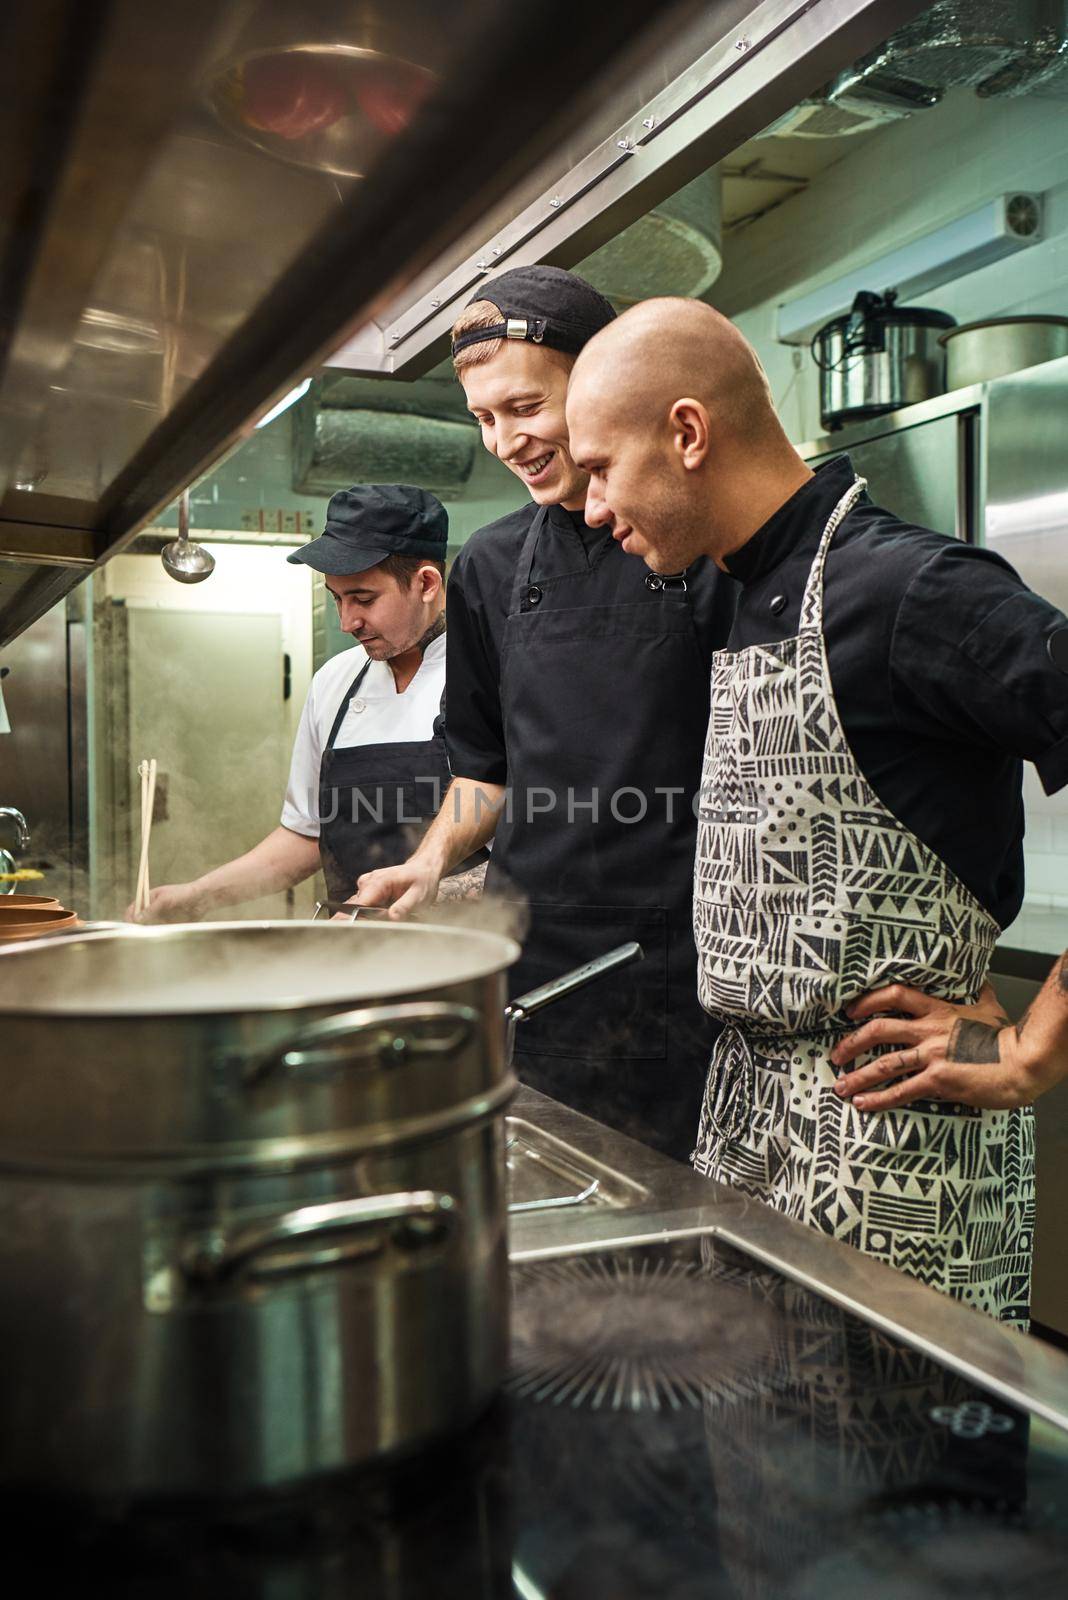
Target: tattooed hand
<point>967,1054</point>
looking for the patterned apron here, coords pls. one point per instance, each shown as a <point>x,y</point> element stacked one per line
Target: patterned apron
<point>807,893</point>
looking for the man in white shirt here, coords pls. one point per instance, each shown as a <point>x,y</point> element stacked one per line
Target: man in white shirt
<point>369,765</point>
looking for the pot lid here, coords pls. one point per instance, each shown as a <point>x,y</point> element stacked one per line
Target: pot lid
<point>914,316</point>
<point>240,967</point>
<point>1003,322</point>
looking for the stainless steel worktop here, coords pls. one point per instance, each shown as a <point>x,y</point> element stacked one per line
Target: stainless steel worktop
<point>675,1203</point>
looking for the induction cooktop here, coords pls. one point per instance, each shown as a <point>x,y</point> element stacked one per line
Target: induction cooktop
<point>680,1422</point>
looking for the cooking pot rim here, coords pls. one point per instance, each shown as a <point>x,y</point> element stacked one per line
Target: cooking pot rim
<point>894,315</point>
<point>488,953</point>
<point>1050,320</point>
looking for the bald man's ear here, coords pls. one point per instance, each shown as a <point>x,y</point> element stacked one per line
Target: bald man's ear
<point>690,430</point>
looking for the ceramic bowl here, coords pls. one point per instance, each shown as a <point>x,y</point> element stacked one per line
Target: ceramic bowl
<point>31,922</point>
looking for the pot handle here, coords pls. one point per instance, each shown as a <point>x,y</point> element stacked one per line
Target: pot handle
<point>419,1217</point>
<point>377,1034</point>
<point>525,1005</point>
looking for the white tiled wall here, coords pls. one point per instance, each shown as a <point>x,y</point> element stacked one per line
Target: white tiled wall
<point>908,179</point>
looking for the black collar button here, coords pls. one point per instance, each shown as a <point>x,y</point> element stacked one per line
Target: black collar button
<point>1057,645</point>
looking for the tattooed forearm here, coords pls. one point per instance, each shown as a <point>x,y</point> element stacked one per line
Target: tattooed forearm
<point>1024,1020</point>
<point>463,885</point>
<point>973,1041</point>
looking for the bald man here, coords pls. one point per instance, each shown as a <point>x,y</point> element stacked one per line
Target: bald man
<point>860,816</point>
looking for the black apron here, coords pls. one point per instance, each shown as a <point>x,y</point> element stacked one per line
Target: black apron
<point>375,801</point>
<point>604,701</point>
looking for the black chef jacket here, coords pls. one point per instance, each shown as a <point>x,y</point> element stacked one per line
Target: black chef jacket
<point>938,655</point>
<point>480,586</point>
<point>580,681</point>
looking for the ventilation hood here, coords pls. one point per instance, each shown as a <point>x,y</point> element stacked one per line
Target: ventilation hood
<point>203,201</point>
<point>362,430</point>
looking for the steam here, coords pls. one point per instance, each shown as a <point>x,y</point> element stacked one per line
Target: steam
<point>508,918</point>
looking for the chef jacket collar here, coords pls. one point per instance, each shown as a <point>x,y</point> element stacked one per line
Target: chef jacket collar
<point>809,507</point>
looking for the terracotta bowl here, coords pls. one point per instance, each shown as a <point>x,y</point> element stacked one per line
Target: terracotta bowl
<point>28,902</point>
<point>32,921</point>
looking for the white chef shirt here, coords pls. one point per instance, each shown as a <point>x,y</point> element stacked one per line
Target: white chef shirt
<point>377,715</point>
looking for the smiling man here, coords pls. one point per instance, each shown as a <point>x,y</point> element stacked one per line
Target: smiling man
<point>369,765</point>
<point>578,698</point>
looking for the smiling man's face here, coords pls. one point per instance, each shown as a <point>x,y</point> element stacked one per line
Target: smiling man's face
<point>518,400</point>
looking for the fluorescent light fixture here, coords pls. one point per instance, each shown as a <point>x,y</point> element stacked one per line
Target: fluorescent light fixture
<point>286,401</point>
<point>1004,225</point>
<point>524,1586</point>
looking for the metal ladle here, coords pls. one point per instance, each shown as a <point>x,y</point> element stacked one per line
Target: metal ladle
<point>183,560</point>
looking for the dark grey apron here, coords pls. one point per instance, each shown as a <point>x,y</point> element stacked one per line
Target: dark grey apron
<point>375,800</point>
<point>604,698</point>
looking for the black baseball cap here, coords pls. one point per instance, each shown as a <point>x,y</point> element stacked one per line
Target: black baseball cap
<point>544,305</point>
<point>371,521</point>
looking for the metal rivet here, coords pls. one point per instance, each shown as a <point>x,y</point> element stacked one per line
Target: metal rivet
<point>556,201</point>
<point>496,250</point>
<point>482,265</point>
<point>624,144</point>
<point>394,338</point>
<point>649,122</point>
<point>435,304</point>
<point>742,44</point>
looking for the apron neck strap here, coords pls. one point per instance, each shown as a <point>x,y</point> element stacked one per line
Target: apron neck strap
<point>525,565</point>
<point>345,702</point>
<point>812,604</point>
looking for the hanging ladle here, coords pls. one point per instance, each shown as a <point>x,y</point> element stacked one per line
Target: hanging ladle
<point>183,560</point>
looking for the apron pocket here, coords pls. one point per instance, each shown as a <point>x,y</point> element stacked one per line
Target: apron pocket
<point>623,1015</point>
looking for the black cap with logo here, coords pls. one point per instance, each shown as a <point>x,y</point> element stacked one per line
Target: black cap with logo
<point>544,305</point>
<point>371,521</point>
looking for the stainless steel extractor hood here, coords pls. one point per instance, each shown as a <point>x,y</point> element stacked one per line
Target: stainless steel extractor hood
<point>201,202</point>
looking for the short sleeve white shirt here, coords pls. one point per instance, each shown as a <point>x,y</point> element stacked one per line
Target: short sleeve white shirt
<point>377,714</point>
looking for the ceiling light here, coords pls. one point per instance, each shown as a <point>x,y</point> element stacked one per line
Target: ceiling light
<point>284,404</point>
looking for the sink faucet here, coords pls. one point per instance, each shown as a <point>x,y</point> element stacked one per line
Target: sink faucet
<point>21,829</point>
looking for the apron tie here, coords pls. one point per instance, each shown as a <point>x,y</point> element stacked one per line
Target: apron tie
<point>729,1107</point>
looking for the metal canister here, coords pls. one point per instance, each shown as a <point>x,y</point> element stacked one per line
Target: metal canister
<point>978,352</point>
<point>877,358</point>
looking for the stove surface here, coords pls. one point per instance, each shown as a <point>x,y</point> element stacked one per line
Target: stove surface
<point>686,1423</point>
<point>680,1422</point>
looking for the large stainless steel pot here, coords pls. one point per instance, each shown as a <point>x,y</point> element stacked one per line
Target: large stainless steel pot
<point>978,352</point>
<point>252,1203</point>
<point>878,357</point>
<point>183,1040</point>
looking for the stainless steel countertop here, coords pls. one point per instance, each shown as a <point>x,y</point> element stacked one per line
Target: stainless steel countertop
<point>1027,1372</point>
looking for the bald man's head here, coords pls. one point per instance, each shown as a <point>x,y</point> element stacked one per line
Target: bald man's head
<point>668,410</point>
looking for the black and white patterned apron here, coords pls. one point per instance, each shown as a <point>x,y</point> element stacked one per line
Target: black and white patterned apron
<point>807,893</point>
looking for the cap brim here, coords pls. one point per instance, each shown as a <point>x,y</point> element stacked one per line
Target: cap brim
<point>336,560</point>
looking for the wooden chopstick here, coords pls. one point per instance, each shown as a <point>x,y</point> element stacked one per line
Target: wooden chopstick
<point>147,771</point>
